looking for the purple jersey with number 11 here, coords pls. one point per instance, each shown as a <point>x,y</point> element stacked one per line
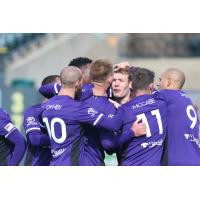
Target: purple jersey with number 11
<point>145,150</point>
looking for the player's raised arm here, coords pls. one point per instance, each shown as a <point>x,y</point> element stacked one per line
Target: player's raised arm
<point>50,90</point>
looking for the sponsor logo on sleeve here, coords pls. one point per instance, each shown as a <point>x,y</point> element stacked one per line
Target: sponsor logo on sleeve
<point>92,112</point>
<point>9,127</point>
<point>31,121</point>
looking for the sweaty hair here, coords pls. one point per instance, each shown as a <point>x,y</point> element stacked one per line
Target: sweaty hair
<point>69,76</point>
<point>100,70</point>
<point>49,79</point>
<point>79,62</point>
<point>142,77</point>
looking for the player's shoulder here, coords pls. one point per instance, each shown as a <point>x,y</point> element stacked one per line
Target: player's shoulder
<point>173,94</point>
<point>3,114</point>
<point>33,109</point>
<point>87,87</point>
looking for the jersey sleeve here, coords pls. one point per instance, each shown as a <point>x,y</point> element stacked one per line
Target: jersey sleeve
<point>6,125</point>
<point>88,114</point>
<point>19,149</point>
<point>112,122</point>
<point>86,93</point>
<point>31,122</point>
<point>113,140</point>
<point>50,90</point>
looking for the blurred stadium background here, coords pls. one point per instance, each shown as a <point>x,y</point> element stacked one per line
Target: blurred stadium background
<point>26,58</point>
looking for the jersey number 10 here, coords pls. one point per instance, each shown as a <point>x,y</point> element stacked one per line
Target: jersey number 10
<point>51,129</point>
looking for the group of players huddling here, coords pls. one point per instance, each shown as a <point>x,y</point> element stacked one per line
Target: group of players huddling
<point>95,107</point>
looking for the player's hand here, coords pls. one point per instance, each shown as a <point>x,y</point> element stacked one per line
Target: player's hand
<point>138,128</point>
<point>117,105</point>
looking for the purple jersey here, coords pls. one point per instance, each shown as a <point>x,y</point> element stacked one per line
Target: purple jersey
<point>12,144</point>
<point>96,138</point>
<point>62,117</point>
<point>183,129</point>
<point>37,155</point>
<point>52,89</point>
<point>144,150</point>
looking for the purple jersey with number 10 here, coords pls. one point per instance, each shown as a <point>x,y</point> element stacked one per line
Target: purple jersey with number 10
<point>63,117</point>
<point>183,129</point>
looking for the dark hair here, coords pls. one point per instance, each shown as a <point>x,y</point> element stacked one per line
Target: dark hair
<point>100,70</point>
<point>142,77</point>
<point>80,61</point>
<point>49,79</point>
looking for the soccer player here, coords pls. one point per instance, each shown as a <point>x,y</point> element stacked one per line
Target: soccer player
<point>183,122</point>
<point>151,110</point>
<point>12,143</point>
<point>63,116</point>
<point>99,139</point>
<point>122,84</point>
<point>84,64</point>
<point>38,153</point>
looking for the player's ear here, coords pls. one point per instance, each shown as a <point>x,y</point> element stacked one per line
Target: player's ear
<point>151,87</point>
<point>110,80</point>
<point>78,83</point>
<point>169,82</point>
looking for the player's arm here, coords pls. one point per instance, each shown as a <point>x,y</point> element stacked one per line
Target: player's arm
<point>16,138</point>
<point>50,90</point>
<point>33,130</point>
<point>116,139</point>
<point>12,134</point>
<point>90,115</point>
<point>86,93</point>
<point>36,138</point>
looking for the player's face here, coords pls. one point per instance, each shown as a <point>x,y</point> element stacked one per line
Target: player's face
<point>121,85</point>
<point>162,83</point>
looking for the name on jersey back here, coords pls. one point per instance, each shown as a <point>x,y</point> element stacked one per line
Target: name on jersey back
<point>144,103</point>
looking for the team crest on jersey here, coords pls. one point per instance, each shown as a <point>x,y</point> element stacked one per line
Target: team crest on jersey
<point>31,121</point>
<point>92,112</point>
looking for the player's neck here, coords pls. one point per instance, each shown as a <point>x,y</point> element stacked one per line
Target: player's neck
<point>67,92</point>
<point>142,92</point>
<point>125,99</point>
<point>99,89</point>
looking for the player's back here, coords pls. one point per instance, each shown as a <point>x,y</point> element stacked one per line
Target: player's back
<point>94,151</point>
<point>183,129</point>
<point>145,150</point>
<point>67,142</point>
<point>36,155</point>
